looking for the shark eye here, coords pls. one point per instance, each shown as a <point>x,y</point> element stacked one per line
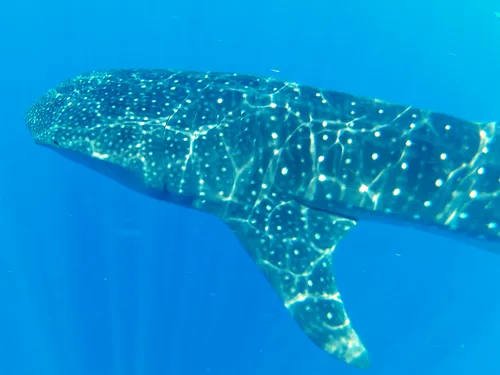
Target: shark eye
<point>56,143</point>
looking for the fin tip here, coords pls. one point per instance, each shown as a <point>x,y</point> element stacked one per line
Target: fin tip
<point>362,361</point>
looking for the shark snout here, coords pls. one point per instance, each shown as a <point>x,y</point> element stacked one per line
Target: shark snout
<point>42,115</point>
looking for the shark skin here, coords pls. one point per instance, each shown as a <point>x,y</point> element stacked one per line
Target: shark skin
<point>289,168</point>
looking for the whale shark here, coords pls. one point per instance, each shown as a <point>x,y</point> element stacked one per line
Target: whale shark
<point>289,168</point>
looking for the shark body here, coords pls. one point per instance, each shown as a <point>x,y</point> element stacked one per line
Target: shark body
<point>289,168</point>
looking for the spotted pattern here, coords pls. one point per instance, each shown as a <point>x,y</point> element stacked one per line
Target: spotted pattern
<point>293,245</point>
<point>279,163</point>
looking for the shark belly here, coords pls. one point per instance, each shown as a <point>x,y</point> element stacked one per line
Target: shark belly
<point>289,168</point>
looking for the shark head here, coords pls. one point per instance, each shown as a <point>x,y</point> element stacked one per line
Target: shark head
<point>103,124</point>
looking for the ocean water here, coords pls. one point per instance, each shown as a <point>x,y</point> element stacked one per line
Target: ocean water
<point>96,279</point>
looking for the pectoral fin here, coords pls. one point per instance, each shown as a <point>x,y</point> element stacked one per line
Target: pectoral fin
<point>293,246</point>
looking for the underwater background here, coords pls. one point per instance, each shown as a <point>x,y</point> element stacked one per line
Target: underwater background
<point>96,279</point>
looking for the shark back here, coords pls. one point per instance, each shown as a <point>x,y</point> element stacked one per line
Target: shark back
<point>367,158</point>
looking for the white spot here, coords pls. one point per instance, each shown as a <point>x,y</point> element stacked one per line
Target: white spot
<point>443,156</point>
<point>447,127</point>
<point>219,100</point>
<point>492,225</point>
<point>480,170</point>
<point>363,189</point>
<point>377,134</point>
<point>427,203</point>
<point>324,124</point>
<point>408,143</point>
<point>439,182</point>
<point>274,135</point>
<point>99,155</point>
<point>396,192</point>
<point>473,194</point>
<point>482,133</point>
<point>322,177</point>
<point>321,158</point>
<point>273,105</point>
<point>404,166</point>
<point>284,170</point>
<point>375,156</point>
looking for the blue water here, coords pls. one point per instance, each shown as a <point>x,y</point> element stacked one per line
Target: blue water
<point>96,279</point>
